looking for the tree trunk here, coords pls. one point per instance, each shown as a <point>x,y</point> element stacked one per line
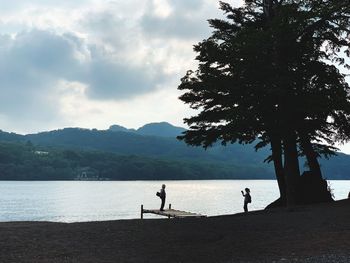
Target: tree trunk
<point>291,167</point>
<point>311,155</point>
<point>276,147</point>
<point>267,7</point>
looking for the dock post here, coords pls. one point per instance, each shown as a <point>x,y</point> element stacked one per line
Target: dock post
<point>169,209</point>
<point>141,211</point>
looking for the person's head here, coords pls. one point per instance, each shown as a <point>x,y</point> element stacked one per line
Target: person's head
<point>163,186</point>
<point>247,190</point>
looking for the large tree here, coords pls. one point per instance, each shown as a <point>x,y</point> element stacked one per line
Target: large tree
<point>268,72</point>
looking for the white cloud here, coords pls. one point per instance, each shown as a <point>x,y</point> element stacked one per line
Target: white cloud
<point>36,60</point>
<point>93,63</point>
<point>184,20</point>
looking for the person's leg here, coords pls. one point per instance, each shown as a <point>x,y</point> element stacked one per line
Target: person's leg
<point>162,205</point>
<point>245,207</point>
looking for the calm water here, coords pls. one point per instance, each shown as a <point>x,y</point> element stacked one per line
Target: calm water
<point>75,201</point>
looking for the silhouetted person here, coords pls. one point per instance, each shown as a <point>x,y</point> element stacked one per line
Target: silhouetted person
<point>349,195</point>
<point>162,196</point>
<point>247,199</point>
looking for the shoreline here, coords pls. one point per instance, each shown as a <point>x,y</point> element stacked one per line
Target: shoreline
<point>302,234</point>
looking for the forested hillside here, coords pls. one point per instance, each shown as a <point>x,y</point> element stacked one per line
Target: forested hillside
<point>20,161</point>
<point>123,154</point>
<point>126,143</point>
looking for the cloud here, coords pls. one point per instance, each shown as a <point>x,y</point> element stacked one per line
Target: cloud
<point>48,54</point>
<point>40,56</point>
<point>35,62</point>
<point>14,5</point>
<point>63,59</point>
<point>185,20</point>
<point>23,83</point>
<point>116,79</point>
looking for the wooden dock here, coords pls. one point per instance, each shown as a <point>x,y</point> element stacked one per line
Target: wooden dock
<point>170,213</point>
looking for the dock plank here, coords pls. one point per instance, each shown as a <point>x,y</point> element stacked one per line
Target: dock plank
<point>172,213</point>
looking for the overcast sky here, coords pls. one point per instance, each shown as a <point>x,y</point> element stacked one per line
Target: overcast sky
<point>94,63</point>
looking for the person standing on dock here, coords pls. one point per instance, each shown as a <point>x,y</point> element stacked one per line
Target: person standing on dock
<point>247,199</point>
<point>162,196</point>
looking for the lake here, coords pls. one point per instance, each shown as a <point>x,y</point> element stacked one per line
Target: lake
<point>78,201</point>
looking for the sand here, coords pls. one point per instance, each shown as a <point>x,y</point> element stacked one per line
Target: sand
<point>318,233</point>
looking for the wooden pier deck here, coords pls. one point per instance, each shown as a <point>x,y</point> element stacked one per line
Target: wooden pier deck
<point>170,213</point>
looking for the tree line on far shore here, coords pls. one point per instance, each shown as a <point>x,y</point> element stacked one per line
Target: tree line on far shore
<point>25,161</point>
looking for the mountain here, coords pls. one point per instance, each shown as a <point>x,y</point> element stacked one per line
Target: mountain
<point>130,143</point>
<point>118,128</point>
<point>10,137</point>
<point>156,145</point>
<point>162,129</point>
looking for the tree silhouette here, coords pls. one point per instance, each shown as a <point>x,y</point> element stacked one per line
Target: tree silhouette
<point>268,73</point>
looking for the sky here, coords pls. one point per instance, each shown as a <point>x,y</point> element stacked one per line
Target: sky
<point>95,63</point>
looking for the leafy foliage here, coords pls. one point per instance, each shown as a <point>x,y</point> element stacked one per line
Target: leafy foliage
<point>259,76</point>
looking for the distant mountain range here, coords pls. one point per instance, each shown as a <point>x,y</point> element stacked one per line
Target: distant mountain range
<point>157,141</point>
<point>161,129</point>
<point>152,140</point>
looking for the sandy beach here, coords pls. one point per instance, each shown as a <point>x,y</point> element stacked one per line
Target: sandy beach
<point>318,233</point>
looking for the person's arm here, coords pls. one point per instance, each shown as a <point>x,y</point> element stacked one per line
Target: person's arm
<point>242,193</point>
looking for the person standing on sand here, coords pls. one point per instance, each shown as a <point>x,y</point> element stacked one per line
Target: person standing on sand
<point>162,196</point>
<point>247,199</point>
